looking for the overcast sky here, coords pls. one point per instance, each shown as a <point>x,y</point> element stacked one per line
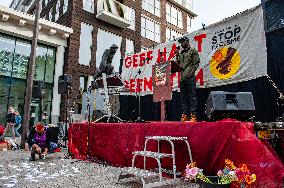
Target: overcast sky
<point>208,11</point>
<point>5,2</point>
<point>211,11</point>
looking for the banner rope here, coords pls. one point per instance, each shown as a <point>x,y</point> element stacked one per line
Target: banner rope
<point>281,96</point>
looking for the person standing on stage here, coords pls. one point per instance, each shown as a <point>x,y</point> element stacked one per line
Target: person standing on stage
<point>189,61</point>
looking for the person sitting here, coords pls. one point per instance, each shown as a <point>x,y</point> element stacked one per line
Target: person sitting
<point>39,141</point>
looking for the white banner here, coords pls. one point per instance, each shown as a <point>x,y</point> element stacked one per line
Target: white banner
<point>233,50</point>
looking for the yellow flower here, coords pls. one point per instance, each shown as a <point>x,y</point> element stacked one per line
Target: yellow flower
<point>192,165</point>
<point>230,164</point>
<point>253,176</point>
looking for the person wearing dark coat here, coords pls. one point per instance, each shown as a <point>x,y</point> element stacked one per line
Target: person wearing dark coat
<point>11,120</point>
<point>39,141</point>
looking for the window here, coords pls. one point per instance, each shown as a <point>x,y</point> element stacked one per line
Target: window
<point>14,58</point>
<point>45,2</point>
<point>65,6</point>
<point>188,23</point>
<point>14,5</point>
<point>150,29</point>
<point>186,3</point>
<point>152,6</point>
<point>129,47</point>
<point>83,83</point>
<point>132,19</point>
<point>40,63</point>
<point>88,5</point>
<point>172,34</point>
<point>50,64</point>
<point>104,41</point>
<point>174,16</point>
<point>57,9</point>
<point>51,15</point>
<point>86,42</point>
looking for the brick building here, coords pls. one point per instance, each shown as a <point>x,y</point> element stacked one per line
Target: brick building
<point>132,25</point>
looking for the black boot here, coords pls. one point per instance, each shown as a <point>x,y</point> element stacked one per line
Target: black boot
<point>32,157</point>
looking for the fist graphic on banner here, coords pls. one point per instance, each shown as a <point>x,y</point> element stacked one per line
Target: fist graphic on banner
<point>225,63</point>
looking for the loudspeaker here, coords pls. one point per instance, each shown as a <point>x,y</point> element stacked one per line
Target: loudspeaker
<point>38,86</point>
<point>237,105</point>
<point>64,82</point>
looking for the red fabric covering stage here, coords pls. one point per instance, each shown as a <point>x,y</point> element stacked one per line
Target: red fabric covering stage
<point>211,143</point>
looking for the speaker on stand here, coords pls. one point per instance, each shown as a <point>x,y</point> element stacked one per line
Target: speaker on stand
<point>64,85</point>
<point>38,95</point>
<point>38,87</point>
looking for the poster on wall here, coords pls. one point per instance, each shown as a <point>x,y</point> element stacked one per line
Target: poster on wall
<point>231,51</point>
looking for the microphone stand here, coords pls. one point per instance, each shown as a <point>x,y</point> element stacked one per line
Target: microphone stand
<point>139,119</point>
<point>89,92</point>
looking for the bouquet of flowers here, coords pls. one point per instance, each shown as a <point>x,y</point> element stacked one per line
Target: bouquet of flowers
<point>230,174</point>
<point>194,173</point>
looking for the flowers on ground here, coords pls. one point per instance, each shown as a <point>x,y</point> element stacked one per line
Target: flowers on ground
<point>192,171</point>
<point>229,174</point>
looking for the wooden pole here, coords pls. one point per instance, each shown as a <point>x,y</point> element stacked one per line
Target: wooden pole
<point>30,75</point>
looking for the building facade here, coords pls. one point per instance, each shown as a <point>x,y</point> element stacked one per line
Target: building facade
<point>132,25</point>
<point>16,31</point>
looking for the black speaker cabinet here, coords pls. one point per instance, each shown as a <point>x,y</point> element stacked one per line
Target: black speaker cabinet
<point>38,86</point>
<point>237,105</point>
<point>64,82</point>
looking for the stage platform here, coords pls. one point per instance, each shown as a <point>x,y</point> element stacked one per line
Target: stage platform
<point>211,143</point>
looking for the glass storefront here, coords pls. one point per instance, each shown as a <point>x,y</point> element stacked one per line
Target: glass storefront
<point>14,58</point>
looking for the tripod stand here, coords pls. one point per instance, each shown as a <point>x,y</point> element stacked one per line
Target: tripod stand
<point>109,116</point>
<point>88,94</point>
<point>66,121</point>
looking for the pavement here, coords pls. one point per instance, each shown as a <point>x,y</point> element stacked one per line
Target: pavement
<point>57,172</point>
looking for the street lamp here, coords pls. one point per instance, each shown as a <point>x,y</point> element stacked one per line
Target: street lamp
<point>30,75</point>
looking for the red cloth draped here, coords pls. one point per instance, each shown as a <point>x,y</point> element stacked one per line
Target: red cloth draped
<point>211,143</point>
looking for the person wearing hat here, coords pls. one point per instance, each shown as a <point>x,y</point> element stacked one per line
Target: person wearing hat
<point>189,61</point>
<point>39,141</point>
<point>105,65</point>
